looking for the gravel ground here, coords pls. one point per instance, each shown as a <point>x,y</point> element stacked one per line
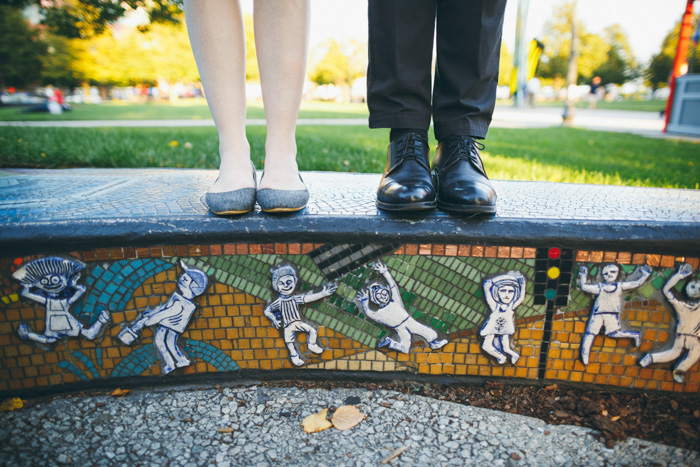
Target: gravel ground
<point>182,426</point>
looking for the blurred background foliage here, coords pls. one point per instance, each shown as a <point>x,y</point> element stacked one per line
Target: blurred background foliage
<point>75,43</point>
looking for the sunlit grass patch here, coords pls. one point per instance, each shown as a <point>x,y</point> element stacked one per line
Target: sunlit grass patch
<point>547,154</point>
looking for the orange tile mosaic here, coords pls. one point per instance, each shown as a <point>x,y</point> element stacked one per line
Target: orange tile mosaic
<point>229,330</point>
<point>614,362</point>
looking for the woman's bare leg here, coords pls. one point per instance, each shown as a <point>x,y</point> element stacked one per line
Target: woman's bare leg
<point>281,39</point>
<point>216,33</point>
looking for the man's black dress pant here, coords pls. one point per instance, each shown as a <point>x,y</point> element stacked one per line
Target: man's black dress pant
<point>466,73</point>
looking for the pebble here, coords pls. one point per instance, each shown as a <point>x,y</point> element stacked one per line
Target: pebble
<point>267,430</point>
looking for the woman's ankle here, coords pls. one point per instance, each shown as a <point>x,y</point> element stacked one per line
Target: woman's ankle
<point>235,171</point>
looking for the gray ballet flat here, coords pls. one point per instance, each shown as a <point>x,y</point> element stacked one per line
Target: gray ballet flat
<point>228,203</point>
<point>272,200</point>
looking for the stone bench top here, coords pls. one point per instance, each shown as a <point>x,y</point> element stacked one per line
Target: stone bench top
<point>42,210</point>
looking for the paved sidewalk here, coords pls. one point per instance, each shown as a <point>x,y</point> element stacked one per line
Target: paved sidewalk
<point>643,123</point>
<point>261,426</point>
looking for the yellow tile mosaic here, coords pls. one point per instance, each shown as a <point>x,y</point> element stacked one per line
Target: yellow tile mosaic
<point>229,331</point>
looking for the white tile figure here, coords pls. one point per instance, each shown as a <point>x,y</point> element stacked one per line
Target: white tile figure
<point>393,314</point>
<point>503,294</point>
<point>53,282</point>
<point>172,317</point>
<point>607,306</point>
<point>687,328</point>
<point>283,312</point>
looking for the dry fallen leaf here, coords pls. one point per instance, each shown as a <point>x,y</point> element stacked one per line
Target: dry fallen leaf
<point>225,430</point>
<point>346,417</point>
<point>316,422</point>
<point>615,418</point>
<point>11,404</point>
<point>120,392</point>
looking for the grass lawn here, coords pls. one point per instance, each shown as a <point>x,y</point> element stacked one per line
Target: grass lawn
<point>184,109</point>
<point>550,154</point>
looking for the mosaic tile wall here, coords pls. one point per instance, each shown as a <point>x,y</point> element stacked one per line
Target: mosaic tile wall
<point>441,290</point>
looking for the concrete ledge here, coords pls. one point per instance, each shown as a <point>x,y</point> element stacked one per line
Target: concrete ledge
<point>50,210</point>
<point>135,245</point>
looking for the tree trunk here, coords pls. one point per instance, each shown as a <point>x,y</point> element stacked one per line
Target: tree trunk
<point>572,73</point>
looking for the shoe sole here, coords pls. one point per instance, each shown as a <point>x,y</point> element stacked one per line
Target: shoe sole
<point>231,213</point>
<point>461,208</point>
<point>277,210</point>
<point>407,207</point>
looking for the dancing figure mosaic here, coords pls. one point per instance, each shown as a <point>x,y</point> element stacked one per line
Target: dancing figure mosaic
<point>608,304</point>
<point>283,312</point>
<point>53,283</point>
<point>216,311</point>
<point>172,317</point>
<point>503,294</point>
<point>687,327</point>
<point>392,313</point>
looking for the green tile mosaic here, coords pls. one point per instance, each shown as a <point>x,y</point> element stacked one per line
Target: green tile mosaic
<point>442,291</point>
<point>657,282</point>
<point>648,290</point>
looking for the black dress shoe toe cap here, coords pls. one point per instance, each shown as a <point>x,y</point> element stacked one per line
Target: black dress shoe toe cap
<point>408,191</point>
<point>467,197</point>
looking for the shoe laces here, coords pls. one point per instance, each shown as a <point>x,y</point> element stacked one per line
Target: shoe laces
<point>412,148</point>
<point>467,149</point>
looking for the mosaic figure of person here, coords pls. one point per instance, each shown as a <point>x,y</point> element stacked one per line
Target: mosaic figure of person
<point>503,294</point>
<point>283,312</point>
<point>687,328</point>
<point>53,282</point>
<point>172,317</point>
<point>393,314</point>
<point>607,306</point>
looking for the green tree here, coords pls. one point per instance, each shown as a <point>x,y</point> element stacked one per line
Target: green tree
<point>128,56</point>
<point>505,72</point>
<point>58,62</point>
<point>593,50</point>
<point>659,70</point>
<point>338,64</point>
<point>333,67</point>
<point>85,18</point>
<point>21,49</point>
<point>621,64</point>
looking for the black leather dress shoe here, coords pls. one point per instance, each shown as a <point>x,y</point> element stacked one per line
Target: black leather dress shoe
<point>407,184</point>
<point>460,178</point>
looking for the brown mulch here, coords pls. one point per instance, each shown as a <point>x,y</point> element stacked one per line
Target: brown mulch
<point>671,419</point>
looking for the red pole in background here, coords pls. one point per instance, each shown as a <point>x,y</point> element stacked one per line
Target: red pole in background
<point>681,56</point>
